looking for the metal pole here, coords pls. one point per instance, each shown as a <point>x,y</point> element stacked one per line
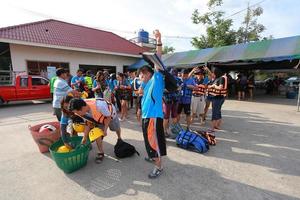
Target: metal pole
<point>298,102</point>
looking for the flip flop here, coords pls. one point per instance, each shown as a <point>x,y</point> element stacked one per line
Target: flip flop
<point>99,158</point>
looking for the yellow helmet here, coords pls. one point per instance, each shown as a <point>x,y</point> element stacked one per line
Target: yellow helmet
<point>95,133</point>
<point>63,149</point>
<point>84,95</point>
<point>79,128</point>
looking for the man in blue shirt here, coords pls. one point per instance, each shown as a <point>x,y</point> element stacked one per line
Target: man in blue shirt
<point>152,112</point>
<point>78,80</point>
<point>187,87</point>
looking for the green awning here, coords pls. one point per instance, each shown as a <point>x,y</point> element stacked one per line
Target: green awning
<point>266,50</point>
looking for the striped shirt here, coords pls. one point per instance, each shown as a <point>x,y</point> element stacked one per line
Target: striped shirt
<point>61,89</point>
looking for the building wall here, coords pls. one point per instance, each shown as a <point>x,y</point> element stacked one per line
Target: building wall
<point>21,53</point>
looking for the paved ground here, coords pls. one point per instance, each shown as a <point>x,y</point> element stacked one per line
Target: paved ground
<point>257,157</point>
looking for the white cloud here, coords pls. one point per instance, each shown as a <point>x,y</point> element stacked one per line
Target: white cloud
<point>172,17</point>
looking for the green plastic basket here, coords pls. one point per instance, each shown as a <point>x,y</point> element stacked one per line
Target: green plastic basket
<point>74,160</point>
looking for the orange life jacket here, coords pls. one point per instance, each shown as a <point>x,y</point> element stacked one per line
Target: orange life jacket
<point>219,92</point>
<point>199,90</point>
<point>97,115</point>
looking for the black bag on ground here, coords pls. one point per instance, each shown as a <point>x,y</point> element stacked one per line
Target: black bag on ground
<point>123,149</point>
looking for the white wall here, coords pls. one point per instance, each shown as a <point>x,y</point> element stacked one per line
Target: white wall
<point>20,54</point>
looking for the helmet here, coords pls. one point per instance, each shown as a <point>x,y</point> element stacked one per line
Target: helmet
<point>79,128</point>
<point>84,95</point>
<point>95,133</point>
<point>63,149</point>
<point>48,128</point>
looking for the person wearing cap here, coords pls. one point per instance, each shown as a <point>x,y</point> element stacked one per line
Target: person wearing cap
<point>61,89</point>
<point>187,85</point>
<point>152,112</point>
<point>198,97</point>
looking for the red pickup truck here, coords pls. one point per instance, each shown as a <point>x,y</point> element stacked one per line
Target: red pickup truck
<point>25,87</point>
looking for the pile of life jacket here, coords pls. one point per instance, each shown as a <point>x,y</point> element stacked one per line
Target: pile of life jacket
<point>187,139</point>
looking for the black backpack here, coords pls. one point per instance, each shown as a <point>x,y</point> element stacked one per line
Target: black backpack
<point>123,149</point>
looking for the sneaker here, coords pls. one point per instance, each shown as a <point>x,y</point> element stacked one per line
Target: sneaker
<point>156,172</point>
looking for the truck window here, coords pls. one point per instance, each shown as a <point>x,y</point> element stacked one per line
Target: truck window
<point>39,81</point>
<point>24,82</point>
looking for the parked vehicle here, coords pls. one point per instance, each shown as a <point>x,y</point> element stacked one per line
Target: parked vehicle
<point>292,82</point>
<point>25,87</point>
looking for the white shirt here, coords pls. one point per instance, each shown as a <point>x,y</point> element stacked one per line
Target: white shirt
<point>61,89</point>
<point>103,108</point>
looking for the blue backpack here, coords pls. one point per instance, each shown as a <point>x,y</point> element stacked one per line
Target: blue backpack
<point>191,140</point>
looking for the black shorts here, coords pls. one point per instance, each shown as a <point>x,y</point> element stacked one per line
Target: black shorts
<point>185,107</point>
<point>154,137</point>
<point>125,97</point>
<point>241,88</point>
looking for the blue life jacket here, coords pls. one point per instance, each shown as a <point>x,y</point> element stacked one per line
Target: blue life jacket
<point>190,140</point>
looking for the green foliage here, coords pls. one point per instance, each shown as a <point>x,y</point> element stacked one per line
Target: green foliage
<point>250,29</point>
<point>167,49</point>
<point>219,31</point>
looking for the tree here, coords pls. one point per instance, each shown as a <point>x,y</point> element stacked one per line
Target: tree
<point>219,30</point>
<point>167,49</point>
<point>250,29</point>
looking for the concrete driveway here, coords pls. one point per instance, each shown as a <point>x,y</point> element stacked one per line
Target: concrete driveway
<point>257,157</point>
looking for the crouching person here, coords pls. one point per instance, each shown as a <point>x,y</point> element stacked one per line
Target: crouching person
<point>102,112</point>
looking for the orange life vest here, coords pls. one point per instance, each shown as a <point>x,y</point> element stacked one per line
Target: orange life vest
<point>199,90</point>
<point>97,115</point>
<point>219,92</point>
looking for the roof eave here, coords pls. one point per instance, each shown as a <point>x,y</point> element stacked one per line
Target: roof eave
<point>20,42</point>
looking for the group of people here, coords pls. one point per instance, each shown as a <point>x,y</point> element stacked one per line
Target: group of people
<point>197,89</point>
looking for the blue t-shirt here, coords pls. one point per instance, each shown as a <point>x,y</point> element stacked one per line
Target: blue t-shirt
<point>186,93</point>
<point>206,80</point>
<point>76,78</point>
<point>64,119</point>
<point>152,101</point>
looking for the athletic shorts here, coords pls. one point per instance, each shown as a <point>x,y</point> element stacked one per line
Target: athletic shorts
<point>170,109</point>
<point>154,137</point>
<point>185,107</point>
<point>197,105</point>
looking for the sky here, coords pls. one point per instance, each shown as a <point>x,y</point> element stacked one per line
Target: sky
<point>171,17</point>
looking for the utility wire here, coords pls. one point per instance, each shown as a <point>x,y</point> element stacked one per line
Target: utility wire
<point>245,9</point>
<point>43,15</point>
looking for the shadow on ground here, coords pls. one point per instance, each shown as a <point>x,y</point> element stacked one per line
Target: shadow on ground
<point>179,181</point>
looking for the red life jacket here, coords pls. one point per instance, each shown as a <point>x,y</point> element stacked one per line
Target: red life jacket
<point>199,90</point>
<point>219,92</point>
<point>98,116</point>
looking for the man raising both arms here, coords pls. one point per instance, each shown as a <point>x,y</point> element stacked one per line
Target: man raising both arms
<point>152,112</point>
